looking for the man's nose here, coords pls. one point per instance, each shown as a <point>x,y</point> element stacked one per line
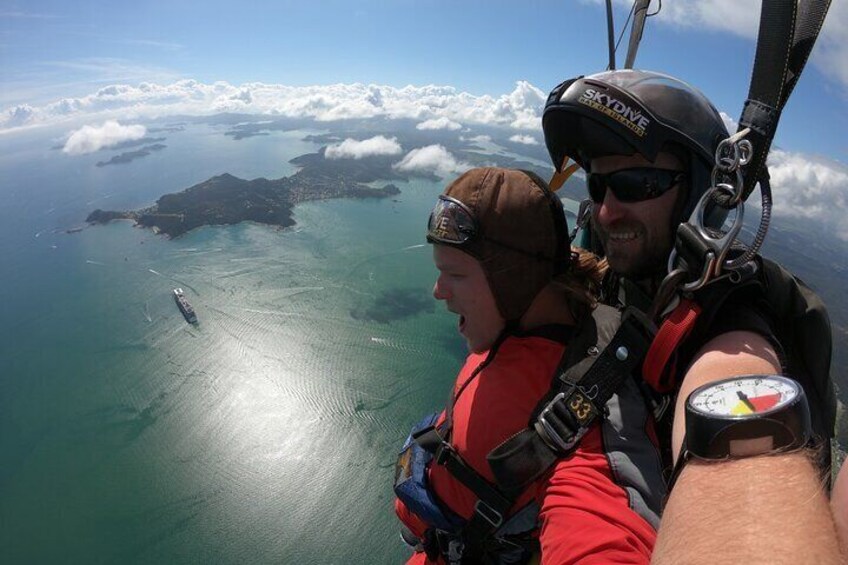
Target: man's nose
<point>610,210</point>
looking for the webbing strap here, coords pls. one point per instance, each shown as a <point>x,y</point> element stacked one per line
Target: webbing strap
<point>444,454</point>
<point>491,506</point>
<point>580,394</point>
<point>455,393</point>
<point>786,38</point>
<point>671,334</point>
<point>559,177</point>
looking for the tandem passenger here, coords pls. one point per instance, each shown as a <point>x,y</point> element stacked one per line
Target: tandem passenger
<point>475,483</point>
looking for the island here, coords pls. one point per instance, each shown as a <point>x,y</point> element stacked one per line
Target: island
<point>130,156</point>
<point>226,199</point>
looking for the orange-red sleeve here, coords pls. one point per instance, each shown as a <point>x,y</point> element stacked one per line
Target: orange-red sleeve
<point>585,516</point>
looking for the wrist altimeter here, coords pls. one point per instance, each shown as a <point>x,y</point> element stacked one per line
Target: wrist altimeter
<point>746,416</point>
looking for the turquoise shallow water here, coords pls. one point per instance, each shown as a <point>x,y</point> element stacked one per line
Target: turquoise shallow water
<point>267,433</point>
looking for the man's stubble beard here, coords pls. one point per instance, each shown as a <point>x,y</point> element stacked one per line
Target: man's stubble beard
<point>653,263</point>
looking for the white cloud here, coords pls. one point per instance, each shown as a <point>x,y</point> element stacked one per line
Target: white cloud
<point>19,115</point>
<point>521,109</point>
<point>353,149</point>
<point>477,139</point>
<point>88,139</point>
<point>807,186</point>
<point>729,122</point>
<point>243,95</point>
<point>525,139</point>
<point>439,123</point>
<point>433,159</point>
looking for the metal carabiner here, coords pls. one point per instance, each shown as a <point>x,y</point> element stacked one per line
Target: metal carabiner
<point>733,152</point>
<point>734,191</point>
<point>718,246</point>
<point>747,150</point>
<point>583,215</point>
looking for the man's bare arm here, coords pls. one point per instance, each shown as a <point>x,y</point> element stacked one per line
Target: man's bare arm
<point>839,505</point>
<point>765,509</point>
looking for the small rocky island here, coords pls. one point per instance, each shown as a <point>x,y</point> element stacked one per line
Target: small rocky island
<point>226,199</point>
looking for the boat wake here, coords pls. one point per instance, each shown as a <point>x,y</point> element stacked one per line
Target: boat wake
<point>380,256</point>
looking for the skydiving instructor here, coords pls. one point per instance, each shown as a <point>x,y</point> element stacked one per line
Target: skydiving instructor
<point>647,143</point>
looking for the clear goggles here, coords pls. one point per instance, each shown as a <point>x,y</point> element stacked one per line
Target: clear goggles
<point>451,222</point>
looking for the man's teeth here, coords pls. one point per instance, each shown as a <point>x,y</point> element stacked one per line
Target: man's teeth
<point>623,235</point>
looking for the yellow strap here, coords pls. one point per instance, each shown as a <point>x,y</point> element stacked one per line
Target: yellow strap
<point>559,178</point>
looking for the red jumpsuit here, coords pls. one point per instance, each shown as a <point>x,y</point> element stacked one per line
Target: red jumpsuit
<point>585,516</point>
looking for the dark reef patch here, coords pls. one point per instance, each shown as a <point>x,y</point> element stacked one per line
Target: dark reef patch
<point>395,304</point>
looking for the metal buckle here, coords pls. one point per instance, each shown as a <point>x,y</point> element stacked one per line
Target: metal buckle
<point>442,453</point>
<point>584,213</point>
<point>730,155</point>
<point>719,246</point>
<point>488,513</point>
<point>549,433</point>
<point>449,546</point>
<point>455,550</point>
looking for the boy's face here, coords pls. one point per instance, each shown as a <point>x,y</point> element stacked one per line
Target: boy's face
<point>463,286</point>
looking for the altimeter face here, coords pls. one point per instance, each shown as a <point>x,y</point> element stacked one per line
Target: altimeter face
<point>744,396</point>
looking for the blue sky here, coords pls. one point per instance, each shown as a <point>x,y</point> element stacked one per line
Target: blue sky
<point>53,50</point>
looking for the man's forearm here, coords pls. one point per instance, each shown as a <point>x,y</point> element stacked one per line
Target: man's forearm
<point>839,505</point>
<point>768,509</point>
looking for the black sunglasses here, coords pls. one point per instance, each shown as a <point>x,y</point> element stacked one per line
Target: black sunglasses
<point>633,185</point>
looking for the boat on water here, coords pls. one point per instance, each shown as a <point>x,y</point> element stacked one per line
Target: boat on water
<point>184,306</point>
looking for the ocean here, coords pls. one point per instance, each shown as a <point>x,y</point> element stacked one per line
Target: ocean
<point>267,433</point>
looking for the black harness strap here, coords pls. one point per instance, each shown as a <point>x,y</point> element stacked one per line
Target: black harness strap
<point>492,503</point>
<point>579,396</point>
<point>786,38</point>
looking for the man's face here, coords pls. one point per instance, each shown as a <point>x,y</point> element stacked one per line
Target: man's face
<point>636,236</point>
<point>463,286</point>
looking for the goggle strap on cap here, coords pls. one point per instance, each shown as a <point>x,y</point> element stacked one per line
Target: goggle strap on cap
<point>451,222</point>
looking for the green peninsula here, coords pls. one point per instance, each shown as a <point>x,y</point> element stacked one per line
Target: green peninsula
<point>226,199</point>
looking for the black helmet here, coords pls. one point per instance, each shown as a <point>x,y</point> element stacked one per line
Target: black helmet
<point>626,111</point>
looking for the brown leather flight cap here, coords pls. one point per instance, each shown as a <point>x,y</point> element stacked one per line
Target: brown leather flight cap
<point>522,239</point>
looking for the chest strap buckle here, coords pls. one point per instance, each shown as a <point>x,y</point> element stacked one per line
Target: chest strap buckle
<point>566,419</point>
<point>489,514</point>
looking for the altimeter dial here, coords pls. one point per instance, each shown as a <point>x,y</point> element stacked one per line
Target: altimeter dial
<point>747,415</point>
<point>745,396</point>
